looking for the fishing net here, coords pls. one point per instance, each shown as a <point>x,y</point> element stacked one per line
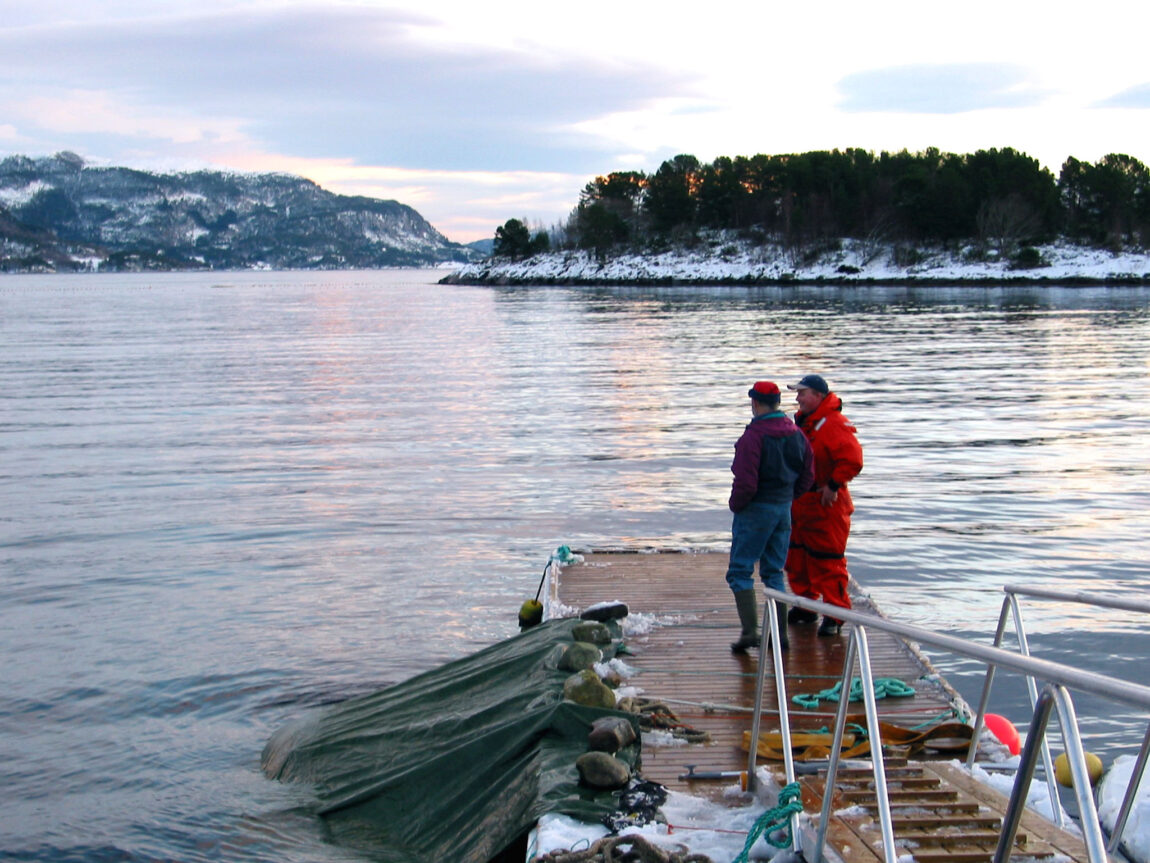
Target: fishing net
<point>455,764</point>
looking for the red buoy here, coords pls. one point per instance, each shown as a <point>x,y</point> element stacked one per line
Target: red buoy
<point>1004,730</point>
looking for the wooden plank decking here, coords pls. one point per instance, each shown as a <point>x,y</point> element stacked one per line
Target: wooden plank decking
<point>685,661</point>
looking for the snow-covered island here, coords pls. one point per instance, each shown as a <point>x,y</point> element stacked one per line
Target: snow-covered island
<point>725,259</point>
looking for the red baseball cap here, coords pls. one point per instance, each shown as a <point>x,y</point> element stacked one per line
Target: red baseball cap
<point>764,391</point>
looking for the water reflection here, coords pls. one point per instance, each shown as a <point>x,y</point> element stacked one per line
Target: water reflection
<point>227,505</point>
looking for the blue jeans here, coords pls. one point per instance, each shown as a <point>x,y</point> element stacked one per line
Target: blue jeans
<point>760,532</point>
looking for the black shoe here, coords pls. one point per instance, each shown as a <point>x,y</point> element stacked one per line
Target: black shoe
<point>744,642</point>
<point>801,615</point>
<point>830,626</point>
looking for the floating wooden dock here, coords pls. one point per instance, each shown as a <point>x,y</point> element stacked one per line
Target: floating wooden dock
<point>684,660</point>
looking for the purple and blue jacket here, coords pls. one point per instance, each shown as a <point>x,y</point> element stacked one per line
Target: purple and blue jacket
<point>773,462</point>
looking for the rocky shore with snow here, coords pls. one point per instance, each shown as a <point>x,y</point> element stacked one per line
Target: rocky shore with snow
<point>725,261</point>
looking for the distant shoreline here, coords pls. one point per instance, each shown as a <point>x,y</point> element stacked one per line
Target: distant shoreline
<point>845,264</point>
<point>909,281</point>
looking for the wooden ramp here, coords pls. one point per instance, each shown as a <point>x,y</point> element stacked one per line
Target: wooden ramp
<point>683,620</point>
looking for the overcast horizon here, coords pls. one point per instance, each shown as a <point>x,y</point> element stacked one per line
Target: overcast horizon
<point>474,114</point>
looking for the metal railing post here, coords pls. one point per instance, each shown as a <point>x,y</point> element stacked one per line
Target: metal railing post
<point>1032,688</point>
<point>836,749</point>
<point>784,711</point>
<point>1053,695</point>
<point>984,700</point>
<point>760,679</point>
<point>1019,792</point>
<point>1083,793</point>
<point>876,757</point>
<point>772,623</point>
<point>1084,598</point>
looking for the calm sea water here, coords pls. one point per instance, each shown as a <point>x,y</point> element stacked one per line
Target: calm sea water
<point>228,499</point>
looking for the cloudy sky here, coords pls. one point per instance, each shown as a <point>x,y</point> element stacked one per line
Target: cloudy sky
<point>475,112</point>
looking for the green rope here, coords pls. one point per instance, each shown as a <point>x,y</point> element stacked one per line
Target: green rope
<point>790,803</point>
<point>883,687</point>
<point>564,555</point>
<point>945,716</point>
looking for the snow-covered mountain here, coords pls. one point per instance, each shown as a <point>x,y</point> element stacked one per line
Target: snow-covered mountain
<point>60,214</point>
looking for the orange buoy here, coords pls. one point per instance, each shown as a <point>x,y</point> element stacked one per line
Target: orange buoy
<point>1003,729</point>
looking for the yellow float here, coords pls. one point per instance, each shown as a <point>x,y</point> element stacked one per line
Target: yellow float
<point>1062,769</point>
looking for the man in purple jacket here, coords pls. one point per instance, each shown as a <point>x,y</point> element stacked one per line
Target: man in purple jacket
<point>773,465</point>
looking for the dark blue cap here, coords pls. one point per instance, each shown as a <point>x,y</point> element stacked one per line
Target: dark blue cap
<point>811,382</point>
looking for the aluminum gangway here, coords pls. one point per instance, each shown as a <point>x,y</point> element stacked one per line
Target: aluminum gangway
<point>1010,603</point>
<point>1058,681</point>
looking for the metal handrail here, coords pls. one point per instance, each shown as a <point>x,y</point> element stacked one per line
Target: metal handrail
<point>1061,677</point>
<point>1053,695</point>
<point>1121,604</point>
<point>1011,601</point>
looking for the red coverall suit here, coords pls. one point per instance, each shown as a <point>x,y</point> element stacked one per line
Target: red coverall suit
<point>816,562</point>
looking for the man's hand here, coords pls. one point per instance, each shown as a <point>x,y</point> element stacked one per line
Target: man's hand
<point>829,495</point>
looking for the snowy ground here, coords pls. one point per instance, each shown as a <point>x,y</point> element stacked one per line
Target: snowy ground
<point>720,831</point>
<point>1111,791</point>
<point>724,260</point>
<point>693,823</point>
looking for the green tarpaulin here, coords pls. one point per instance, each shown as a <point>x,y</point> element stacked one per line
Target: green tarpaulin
<point>454,764</point>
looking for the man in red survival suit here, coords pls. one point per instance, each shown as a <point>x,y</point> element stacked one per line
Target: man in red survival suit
<point>821,519</point>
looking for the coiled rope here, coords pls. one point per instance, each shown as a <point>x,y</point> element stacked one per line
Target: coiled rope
<point>883,687</point>
<point>775,819</point>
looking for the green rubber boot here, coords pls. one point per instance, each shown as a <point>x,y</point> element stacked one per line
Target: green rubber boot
<point>748,607</point>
